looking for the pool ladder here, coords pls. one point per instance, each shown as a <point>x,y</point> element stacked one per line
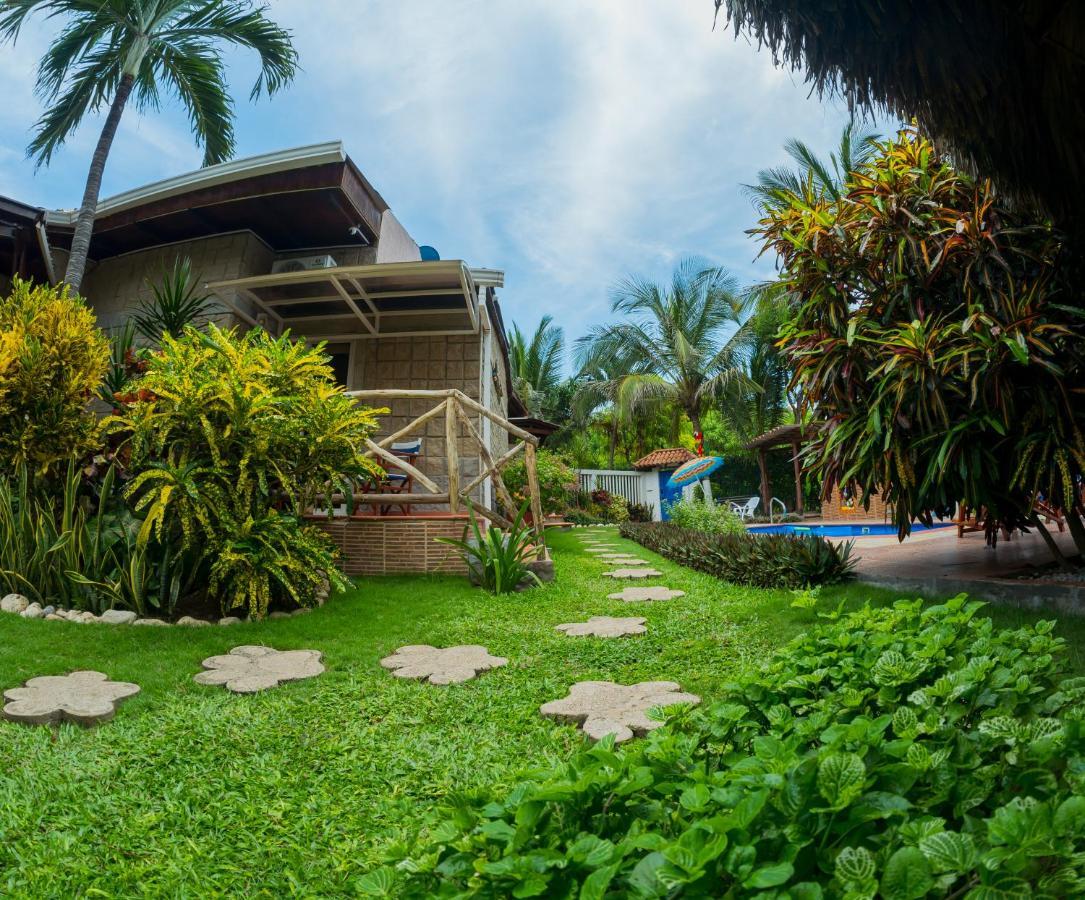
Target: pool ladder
<point>783,508</point>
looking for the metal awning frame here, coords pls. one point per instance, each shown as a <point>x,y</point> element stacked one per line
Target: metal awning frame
<point>354,286</point>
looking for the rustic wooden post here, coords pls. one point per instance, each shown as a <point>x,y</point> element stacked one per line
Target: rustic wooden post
<point>766,485</point>
<point>795,449</point>
<point>536,499</point>
<point>452,454</point>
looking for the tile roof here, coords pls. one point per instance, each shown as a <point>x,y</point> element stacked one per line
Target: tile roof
<point>669,458</point>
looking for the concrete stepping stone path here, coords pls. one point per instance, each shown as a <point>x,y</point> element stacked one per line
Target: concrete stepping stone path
<point>84,697</point>
<point>604,627</point>
<point>633,573</point>
<point>437,665</point>
<point>248,669</point>
<point>603,707</point>
<point>642,594</point>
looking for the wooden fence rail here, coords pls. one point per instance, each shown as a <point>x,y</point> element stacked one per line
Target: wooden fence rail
<point>461,439</point>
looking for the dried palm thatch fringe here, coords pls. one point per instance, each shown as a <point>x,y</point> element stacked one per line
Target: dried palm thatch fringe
<point>998,83</point>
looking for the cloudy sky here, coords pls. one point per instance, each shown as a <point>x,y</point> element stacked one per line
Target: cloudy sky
<point>568,142</point>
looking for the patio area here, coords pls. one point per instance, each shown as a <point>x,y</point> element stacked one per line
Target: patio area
<point>938,563</point>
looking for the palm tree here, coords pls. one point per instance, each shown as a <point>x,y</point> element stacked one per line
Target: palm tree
<point>537,363</point>
<point>762,400</point>
<point>609,383</point>
<point>110,51</point>
<point>677,343</point>
<point>814,176</point>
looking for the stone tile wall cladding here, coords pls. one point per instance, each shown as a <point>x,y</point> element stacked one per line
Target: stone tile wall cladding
<point>391,545</point>
<point>426,363</point>
<point>115,287</point>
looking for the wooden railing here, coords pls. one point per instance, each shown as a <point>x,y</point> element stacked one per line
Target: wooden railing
<point>460,437</point>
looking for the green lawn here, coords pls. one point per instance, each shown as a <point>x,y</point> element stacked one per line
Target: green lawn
<point>191,791</point>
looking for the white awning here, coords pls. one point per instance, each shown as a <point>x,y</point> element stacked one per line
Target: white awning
<point>350,302</point>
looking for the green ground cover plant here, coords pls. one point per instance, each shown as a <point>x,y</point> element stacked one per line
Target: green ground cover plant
<point>899,753</point>
<point>299,791</point>
<point>706,517</point>
<point>757,560</point>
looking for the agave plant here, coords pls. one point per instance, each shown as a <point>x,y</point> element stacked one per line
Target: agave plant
<point>498,558</point>
<point>176,303</point>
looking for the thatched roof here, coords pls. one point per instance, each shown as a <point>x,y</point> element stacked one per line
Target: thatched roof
<point>1000,84</point>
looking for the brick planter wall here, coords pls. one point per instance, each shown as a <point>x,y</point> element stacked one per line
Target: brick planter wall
<point>392,545</point>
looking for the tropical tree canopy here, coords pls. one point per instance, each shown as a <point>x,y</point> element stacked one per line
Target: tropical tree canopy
<point>933,339</point>
<point>110,51</point>
<point>676,342</point>
<point>537,363</point>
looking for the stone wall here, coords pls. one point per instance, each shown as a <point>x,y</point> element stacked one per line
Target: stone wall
<point>115,287</point>
<point>837,507</point>
<point>424,363</point>
<point>391,545</point>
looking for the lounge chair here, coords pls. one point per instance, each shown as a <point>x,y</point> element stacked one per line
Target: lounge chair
<point>746,510</point>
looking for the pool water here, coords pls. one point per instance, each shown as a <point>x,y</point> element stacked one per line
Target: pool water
<point>857,530</point>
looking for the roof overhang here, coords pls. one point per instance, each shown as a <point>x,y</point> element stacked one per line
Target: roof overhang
<point>409,299</point>
<point>293,200</point>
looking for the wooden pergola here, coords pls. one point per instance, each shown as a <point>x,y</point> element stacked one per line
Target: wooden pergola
<point>791,436</point>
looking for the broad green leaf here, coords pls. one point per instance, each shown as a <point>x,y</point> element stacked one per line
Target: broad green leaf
<point>907,875</point>
<point>840,778</point>
<point>770,876</point>
<point>377,883</point>
<point>949,851</point>
<point>855,864</point>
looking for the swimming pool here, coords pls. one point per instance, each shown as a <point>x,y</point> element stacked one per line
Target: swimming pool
<point>850,530</point>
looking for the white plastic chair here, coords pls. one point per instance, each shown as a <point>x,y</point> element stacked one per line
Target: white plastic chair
<point>746,510</point>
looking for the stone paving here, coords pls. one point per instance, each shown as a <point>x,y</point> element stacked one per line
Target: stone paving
<point>85,697</point>
<point>599,707</point>
<point>603,707</point>
<point>643,594</point>
<point>447,665</point>
<point>604,627</point>
<point>248,669</point>
<point>633,573</point>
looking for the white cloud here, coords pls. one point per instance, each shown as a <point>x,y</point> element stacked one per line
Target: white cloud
<point>568,142</point>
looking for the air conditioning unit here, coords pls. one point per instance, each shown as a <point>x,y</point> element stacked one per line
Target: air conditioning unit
<point>302,264</point>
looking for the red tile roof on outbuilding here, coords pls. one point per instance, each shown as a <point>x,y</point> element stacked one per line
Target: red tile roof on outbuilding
<point>670,458</point>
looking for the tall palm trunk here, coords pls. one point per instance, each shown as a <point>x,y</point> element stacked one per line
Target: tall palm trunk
<point>84,223</point>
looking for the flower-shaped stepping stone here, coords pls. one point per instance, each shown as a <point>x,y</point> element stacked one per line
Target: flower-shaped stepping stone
<point>639,594</point>
<point>633,573</point>
<point>83,697</point>
<point>604,627</point>
<point>441,665</point>
<point>248,669</point>
<point>603,707</point>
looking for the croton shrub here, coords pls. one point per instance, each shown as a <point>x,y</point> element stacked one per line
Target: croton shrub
<point>231,436</point>
<point>557,480</point>
<point>754,560</point>
<point>896,753</point>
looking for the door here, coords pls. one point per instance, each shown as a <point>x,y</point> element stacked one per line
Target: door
<point>667,494</point>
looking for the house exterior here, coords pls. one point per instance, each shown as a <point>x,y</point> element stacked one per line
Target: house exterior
<point>300,241</point>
